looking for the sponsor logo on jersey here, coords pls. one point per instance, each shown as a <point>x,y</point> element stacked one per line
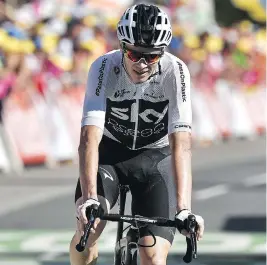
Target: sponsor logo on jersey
<point>153,95</point>
<point>152,131</point>
<point>116,70</point>
<point>182,126</point>
<point>100,77</point>
<point>154,82</point>
<point>148,115</point>
<point>182,76</point>
<point>106,174</point>
<point>145,115</point>
<point>137,123</point>
<point>121,93</point>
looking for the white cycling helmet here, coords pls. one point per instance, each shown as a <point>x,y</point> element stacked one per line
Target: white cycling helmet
<point>146,26</point>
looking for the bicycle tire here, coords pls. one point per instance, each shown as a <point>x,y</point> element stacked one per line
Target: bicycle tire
<point>119,252</point>
<point>134,258</point>
<point>128,256</point>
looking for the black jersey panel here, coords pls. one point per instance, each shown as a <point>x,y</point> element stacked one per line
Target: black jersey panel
<point>137,123</point>
<point>152,122</point>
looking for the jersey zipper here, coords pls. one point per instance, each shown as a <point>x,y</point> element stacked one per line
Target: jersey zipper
<point>136,123</point>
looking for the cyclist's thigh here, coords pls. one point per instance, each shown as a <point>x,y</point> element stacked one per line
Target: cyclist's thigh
<point>107,179</point>
<point>107,185</point>
<point>153,190</point>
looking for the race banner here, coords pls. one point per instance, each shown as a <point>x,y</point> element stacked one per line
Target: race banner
<point>242,125</point>
<point>4,159</point>
<point>60,144</point>
<point>256,105</point>
<point>70,103</point>
<point>24,126</point>
<point>218,113</point>
<point>204,128</point>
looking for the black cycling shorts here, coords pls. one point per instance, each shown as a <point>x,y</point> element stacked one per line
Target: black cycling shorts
<point>149,175</point>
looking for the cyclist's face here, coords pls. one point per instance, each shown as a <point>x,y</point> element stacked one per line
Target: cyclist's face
<point>140,62</point>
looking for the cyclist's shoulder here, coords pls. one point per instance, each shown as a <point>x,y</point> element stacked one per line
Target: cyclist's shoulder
<point>110,58</point>
<point>172,62</point>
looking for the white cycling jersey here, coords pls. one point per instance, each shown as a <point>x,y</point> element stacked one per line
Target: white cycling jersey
<point>138,115</point>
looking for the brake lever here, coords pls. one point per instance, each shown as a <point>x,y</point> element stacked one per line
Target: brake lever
<point>92,214</point>
<point>191,228</point>
<point>191,251</point>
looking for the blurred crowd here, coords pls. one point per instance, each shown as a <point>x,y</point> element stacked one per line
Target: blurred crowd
<point>56,48</point>
<point>236,54</point>
<point>45,47</point>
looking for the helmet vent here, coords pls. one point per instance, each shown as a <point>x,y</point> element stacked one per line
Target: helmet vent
<point>122,31</point>
<point>169,36</point>
<point>163,35</point>
<point>128,32</point>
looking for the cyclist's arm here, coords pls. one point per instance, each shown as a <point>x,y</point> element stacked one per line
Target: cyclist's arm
<point>92,130</point>
<point>88,160</point>
<point>179,128</point>
<point>180,143</point>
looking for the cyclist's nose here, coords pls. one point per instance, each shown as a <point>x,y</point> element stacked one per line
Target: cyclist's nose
<point>142,63</point>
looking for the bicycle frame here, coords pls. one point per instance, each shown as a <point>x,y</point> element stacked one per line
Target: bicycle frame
<point>122,254</point>
<point>122,200</point>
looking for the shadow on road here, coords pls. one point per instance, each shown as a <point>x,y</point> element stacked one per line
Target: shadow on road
<point>172,260</point>
<point>245,224</point>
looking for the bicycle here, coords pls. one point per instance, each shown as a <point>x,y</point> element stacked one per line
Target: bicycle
<point>126,247</point>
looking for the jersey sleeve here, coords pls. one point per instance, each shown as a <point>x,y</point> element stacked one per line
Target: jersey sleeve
<point>180,111</point>
<point>94,106</point>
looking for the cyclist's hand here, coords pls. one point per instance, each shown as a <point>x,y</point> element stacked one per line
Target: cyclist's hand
<point>81,215</point>
<point>183,215</point>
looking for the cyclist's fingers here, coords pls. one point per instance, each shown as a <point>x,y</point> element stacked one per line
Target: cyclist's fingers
<point>82,215</point>
<point>200,232</point>
<point>92,231</point>
<point>80,227</point>
<point>201,227</point>
<point>96,222</point>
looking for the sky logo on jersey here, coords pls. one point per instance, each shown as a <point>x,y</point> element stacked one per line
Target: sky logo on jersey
<point>100,77</point>
<point>182,76</point>
<point>137,123</point>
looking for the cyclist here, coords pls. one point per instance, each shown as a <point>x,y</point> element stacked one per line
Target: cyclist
<point>136,130</point>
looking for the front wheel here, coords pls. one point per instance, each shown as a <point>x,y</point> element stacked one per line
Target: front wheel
<point>134,257</point>
<point>128,256</point>
<point>126,251</point>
